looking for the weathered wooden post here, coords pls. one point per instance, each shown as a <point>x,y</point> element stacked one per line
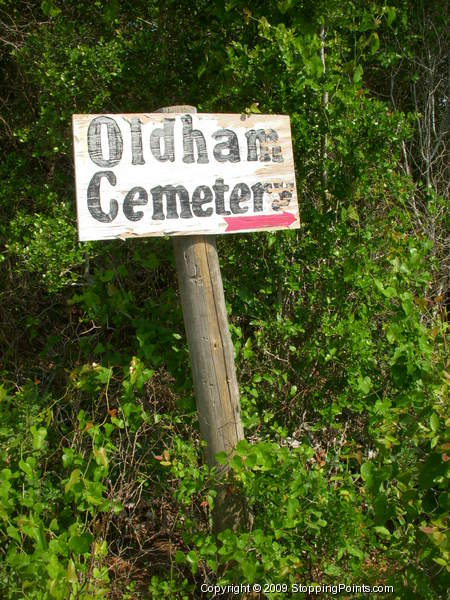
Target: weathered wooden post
<point>210,346</point>
<point>191,177</point>
<point>212,355</point>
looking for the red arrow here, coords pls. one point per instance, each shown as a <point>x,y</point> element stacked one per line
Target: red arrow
<point>284,219</point>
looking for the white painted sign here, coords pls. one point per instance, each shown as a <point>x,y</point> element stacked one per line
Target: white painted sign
<point>140,175</point>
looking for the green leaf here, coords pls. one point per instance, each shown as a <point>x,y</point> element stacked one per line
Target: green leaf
<point>292,507</point>
<point>49,9</point>
<point>103,374</point>
<point>221,457</point>
<point>236,463</point>
<point>391,14</point>
<point>201,69</point>
<point>54,525</point>
<point>192,559</point>
<point>108,275</point>
<point>433,468</point>
<point>390,292</point>
<point>71,574</point>
<point>333,570</point>
<point>379,285</point>
<point>73,479</point>
<point>374,42</point>
<point>251,460</point>
<point>68,455</point>
<point>441,561</point>
<point>352,213</point>
<point>247,351</point>
<point>39,536</point>
<point>39,436</point>
<point>364,384</point>
<point>393,333</point>
<point>54,567</point>
<point>81,544</point>
<point>26,468</point>
<point>100,456</point>
<point>242,447</point>
<point>434,422</point>
<point>94,500</point>
<point>382,531</point>
<point>408,306</point>
<point>354,551</point>
<point>254,108</point>
<point>13,533</point>
<point>284,5</point>
<point>367,472</point>
<point>357,74</point>
<point>6,474</point>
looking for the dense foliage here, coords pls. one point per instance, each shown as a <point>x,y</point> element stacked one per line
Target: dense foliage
<point>339,328</point>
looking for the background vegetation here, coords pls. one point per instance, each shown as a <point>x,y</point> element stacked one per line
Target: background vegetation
<point>339,328</point>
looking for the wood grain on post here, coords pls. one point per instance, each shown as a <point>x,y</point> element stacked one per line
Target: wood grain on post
<point>210,345</point>
<point>212,356</point>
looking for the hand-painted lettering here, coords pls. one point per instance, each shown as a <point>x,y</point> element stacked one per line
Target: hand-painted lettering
<point>115,142</point>
<point>163,134</point>
<point>137,196</point>
<point>227,150</point>
<point>202,195</point>
<point>219,190</point>
<point>265,139</point>
<point>93,198</point>
<point>137,156</point>
<point>171,193</point>
<point>189,137</point>
<point>240,193</point>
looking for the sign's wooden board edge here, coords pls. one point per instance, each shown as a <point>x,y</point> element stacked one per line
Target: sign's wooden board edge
<point>161,116</point>
<point>128,236</point>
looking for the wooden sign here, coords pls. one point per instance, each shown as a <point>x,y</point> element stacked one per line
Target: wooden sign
<point>140,175</point>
